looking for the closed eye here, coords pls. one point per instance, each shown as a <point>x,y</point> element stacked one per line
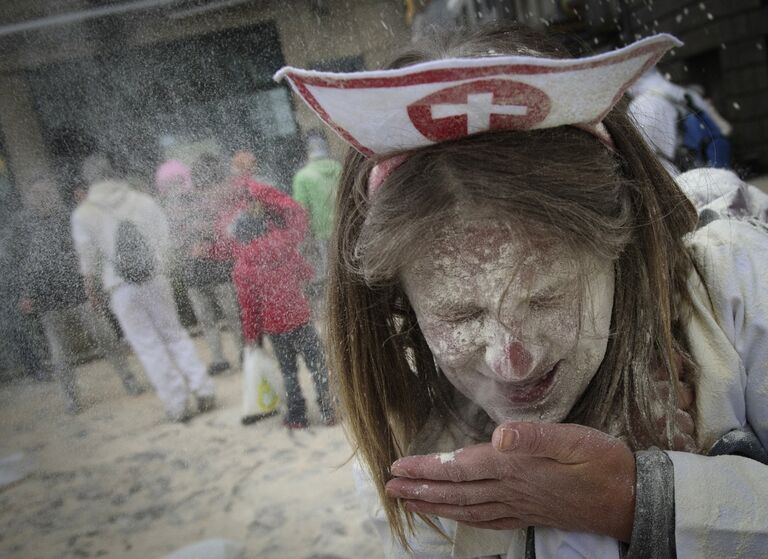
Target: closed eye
<point>464,315</point>
<point>548,301</point>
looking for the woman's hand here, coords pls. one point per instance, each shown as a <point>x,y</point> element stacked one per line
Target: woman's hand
<point>533,474</point>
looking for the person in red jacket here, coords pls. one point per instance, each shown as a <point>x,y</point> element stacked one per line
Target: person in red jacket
<point>263,233</point>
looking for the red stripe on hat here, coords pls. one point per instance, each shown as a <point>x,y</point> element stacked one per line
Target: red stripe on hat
<point>325,117</point>
<point>300,82</point>
<point>464,73</point>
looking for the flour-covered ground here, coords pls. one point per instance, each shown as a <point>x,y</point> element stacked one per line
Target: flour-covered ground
<point>120,481</point>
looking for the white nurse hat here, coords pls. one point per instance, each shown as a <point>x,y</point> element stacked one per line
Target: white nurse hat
<point>388,111</point>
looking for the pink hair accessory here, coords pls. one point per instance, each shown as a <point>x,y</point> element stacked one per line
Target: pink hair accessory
<point>382,170</point>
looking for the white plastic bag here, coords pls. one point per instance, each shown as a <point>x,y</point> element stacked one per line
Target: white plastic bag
<point>262,383</point>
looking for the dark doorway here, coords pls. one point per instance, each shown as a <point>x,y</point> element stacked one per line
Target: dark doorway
<point>210,92</point>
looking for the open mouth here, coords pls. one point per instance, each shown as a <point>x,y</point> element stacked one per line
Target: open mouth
<point>531,392</point>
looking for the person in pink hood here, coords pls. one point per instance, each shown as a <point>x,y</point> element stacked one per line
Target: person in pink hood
<point>193,202</point>
<point>173,178</point>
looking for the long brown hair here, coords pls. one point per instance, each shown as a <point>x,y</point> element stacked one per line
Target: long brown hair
<point>561,182</point>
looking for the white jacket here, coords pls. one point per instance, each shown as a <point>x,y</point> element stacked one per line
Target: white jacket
<point>95,220</point>
<point>723,192</point>
<point>721,503</point>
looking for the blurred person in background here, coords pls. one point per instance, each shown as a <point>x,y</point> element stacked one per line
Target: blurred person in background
<point>242,167</point>
<point>193,199</point>
<point>122,238</point>
<point>19,350</point>
<point>173,187</point>
<point>314,187</point>
<point>681,126</point>
<point>263,231</point>
<point>51,288</point>
<point>245,163</point>
<point>173,181</point>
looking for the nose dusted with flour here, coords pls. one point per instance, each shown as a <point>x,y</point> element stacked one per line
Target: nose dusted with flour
<point>504,317</point>
<point>511,362</point>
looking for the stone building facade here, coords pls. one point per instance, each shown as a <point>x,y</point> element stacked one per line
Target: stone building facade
<point>148,79</point>
<point>79,75</point>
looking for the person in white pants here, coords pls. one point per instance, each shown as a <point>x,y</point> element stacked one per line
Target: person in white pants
<point>147,315</point>
<point>145,309</point>
<point>49,286</point>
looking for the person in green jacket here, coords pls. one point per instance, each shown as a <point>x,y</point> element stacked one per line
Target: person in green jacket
<point>314,187</point>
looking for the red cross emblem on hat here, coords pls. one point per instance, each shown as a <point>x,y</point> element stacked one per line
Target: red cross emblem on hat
<point>478,106</point>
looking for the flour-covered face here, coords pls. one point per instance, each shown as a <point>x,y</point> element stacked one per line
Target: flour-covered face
<point>516,325</point>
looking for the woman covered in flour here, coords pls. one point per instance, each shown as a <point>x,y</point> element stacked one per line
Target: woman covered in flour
<point>538,354</point>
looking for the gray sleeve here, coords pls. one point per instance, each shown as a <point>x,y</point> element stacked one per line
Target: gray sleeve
<point>740,442</point>
<point>653,532</point>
